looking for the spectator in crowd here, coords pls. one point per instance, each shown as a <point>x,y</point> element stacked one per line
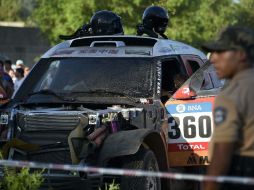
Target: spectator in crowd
<point>2,91</point>
<point>8,69</point>
<point>12,75</point>
<point>26,71</point>
<point>6,88</point>
<point>7,65</point>
<point>6,76</point>
<point>3,94</point>
<point>19,78</point>
<point>20,64</point>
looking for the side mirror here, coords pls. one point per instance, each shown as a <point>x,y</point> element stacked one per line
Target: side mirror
<point>184,93</point>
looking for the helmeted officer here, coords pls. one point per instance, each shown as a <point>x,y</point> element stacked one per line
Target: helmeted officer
<point>101,23</point>
<point>232,144</point>
<point>154,22</point>
<point>106,23</point>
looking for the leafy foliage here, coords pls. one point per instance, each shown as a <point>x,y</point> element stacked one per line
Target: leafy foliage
<point>245,13</point>
<point>197,21</point>
<point>61,17</point>
<point>20,180</point>
<point>112,186</point>
<point>10,10</point>
<point>191,21</point>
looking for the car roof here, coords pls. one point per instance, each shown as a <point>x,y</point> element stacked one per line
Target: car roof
<point>121,46</point>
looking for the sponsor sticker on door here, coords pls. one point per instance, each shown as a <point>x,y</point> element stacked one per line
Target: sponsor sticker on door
<point>190,127</point>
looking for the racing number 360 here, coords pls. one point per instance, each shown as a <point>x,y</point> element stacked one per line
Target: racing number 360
<point>189,127</point>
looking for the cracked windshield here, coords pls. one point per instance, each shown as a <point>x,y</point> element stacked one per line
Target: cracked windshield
<point>129,76</point>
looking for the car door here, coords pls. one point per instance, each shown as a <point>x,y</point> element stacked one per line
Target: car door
<point>190,122</point>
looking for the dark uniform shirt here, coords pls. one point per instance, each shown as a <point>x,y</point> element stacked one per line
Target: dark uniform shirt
<point>234,114</point>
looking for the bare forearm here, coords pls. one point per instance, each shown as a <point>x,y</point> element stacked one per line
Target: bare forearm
<point>220,163</point>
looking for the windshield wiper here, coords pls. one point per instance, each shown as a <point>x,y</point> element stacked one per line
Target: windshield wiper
<point>105,91</point>
<point>51,92</point>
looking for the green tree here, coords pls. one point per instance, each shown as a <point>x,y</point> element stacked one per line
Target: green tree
<point>10,10</point>
<point>61,17</point>
<point>191,21</point>
<point>197,21</point>
<point>244,13</point>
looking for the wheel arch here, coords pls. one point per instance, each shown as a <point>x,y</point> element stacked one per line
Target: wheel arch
<point>126,143</point>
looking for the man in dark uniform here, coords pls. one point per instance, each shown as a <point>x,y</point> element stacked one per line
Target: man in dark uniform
<point>232,144</point>
<point>6,83</point>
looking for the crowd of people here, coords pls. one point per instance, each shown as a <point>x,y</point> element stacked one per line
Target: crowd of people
<point>11,77</point>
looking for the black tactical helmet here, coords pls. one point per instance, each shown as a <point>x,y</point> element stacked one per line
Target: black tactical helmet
<point>106,23</point>
<point>156,18</point>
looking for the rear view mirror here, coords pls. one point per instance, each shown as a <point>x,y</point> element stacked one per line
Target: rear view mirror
<point>184,93</point>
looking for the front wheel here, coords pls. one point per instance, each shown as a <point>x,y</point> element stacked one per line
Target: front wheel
<point>144,159</point>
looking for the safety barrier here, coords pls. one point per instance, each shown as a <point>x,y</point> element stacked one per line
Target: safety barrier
<point>127,172</point>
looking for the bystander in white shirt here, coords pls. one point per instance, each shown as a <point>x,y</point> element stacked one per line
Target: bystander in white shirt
<point>17,83</point>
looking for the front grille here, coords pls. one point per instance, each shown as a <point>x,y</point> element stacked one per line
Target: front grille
<point>49,130</point>
<point>54,120</point>
<point>57,155</point>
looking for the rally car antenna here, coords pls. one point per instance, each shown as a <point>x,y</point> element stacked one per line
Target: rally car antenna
<point>102,23</point>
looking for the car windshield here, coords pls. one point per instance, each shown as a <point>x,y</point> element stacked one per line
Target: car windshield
<point>86,76</point>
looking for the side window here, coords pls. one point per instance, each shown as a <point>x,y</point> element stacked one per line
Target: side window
<point>207,82</point>
<point>216,81</point>
<point>211,79</point>
<point>192,63</point>
<point>173,76</point>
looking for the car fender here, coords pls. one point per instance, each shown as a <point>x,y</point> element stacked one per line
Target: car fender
<point>125,143</point>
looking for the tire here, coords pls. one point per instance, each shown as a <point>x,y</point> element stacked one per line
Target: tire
<point>144,159</point>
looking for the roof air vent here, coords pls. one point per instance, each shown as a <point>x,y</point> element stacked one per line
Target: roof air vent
<point>107,44</point>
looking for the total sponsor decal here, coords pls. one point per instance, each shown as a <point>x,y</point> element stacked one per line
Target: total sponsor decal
<point>175,147</point>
